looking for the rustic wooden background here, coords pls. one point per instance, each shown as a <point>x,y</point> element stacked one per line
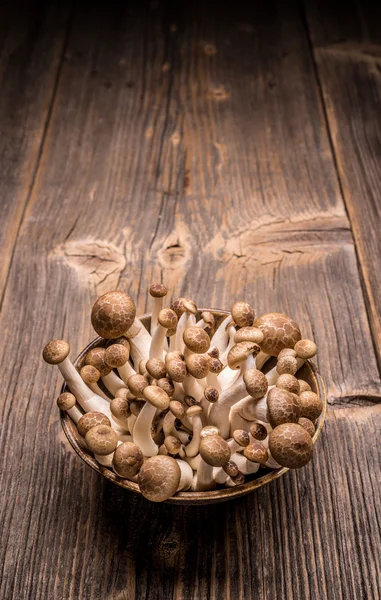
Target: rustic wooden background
<point>232,151</point>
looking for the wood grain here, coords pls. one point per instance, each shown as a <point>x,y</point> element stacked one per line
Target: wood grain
<point>186,144</point>
<point>347,48</point>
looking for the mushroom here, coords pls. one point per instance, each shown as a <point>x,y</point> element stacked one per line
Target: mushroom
<point>116,357</point>
<point>167,385</point>
<point>247,467</point>
<point>279,330</point>
<point>258,431</point>
<point>140,341</point>
<point>97,358</point>
<point>167,320</point>
<point>303,386</point>
<point>67,403</point>
<point>194,414</point>
<point>308,425</point>
<point>174,446</point>
<point>197,365</point>
<point>158,292</point>
<point>215,368</point>
<point>169,423</point>
<point>156,399</point>
<point>113,314</point>
<point>249,334</point>
<point>256,453</point>
<point>243,314</point>
<point>196,340</point>
<point>207,322</point>
<point>136,384</point>
<point>159,478</point>
<point>291,445</point>
<point>231,332</point>
<point>120,410</point>
<point>305,349</point>
<point>221,337</point>
<point>56,353</point>
<point>127,460</point>
<point>90,376</point>
<point>176,367</point>
<point>214,452</point>
<point>102,441</point>
<point>186,476</point>
<point>289,383</point>
<point>283,407</point>
<point>90,420</point>
<point>156,368</point>
<point>186,311</point>
<point>310,405</point>
<point>247,410</point>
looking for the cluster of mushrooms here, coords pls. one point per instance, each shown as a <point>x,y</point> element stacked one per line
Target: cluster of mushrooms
<point>186,405</point>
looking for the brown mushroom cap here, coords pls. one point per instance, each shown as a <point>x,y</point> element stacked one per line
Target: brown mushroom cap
<point>211,394</point>
<point>90,374</point>
<point>194,410</point>
<point>243,314</point>
<point>240,352</point>
<point>280,332</point>
<point>196,339</point>
<point>96,358</point>
<point>256,383</point>
<point>156,396</point>
<point>287,364</point>
<point>177,409</point>
<point>190,401</point>
<point>286,352</point>
<point>176,369</point>
<point>136,384</point>
<point>283,407</point>
<point>167,385</point>
<point>215,365</point>
<point>127,460</point>
<point>208,318</point>
<point>213,352</point>
<point>209,430</point>
<point>116,355</point>
<point>167,318</point>
<point>158,290</point>
<point>249,334</point>
<point>308,425</point>
<point>311,405</point>
<point>55,352</point>
<point>113,314</point>
<point>197,365</point>
<point>156,368</point>
<point>66,401</point>
<point>303,386</point>
<point>238,479</point>
<point>172,444</point>
<point>305,349</point>
<point>231,468</point>
<point>123,341</point>
<point>256,452</point>
<point>101,440</point>
<point>90,420</point>
<point>291,445</point>
<point>288,382</point>
<point>258,431</point>
<point>214,450</point>
<point>120,408</point>
<point>159,478</point>
<point>178,306</point>
<point>123,393</point>
<point>241,437</point>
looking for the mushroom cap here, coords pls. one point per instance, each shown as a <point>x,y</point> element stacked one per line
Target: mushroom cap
<point>238,479</point>
<point>243,314</point>
<point>113,314</point>
<point>167,385</point>
<point>283,407</point>
<point>211,394</point>
<point>96,358</point>
<point>196,339</point>
<point>288,382</point>
<point>123,393</point>
<point>123,341</point>
<point>214,450</point>
<point>215,365</point>
<point>101,440</point>
<point>256,452</point>
<point>176,369</point>
<point>305,349</point>
<point>303,386</point>
<point>308,425</point>
<point>55,352</point>
<point>127,460</point>
<point>159,478</point>
<point>178,306</point>
<point>158,290</point>
<point>90,374</point>
<point>197,365</point>
<point>136,384</point>
<point>286,352</point>
<point>156,396</point>
<point>209,430</point>
<point>177,409</point>
<point>208,318</point>
<point>241,437</point>
<point>240,352</point>
<point>167,318</point>
<point>190,306</point>
<point>116,355</point>
<point>291,445</point>
<point>311,405</point>
<point>256,383</point>
<point>191,401</point>
<point>287,364</point>
<point>142,367</point>
<point>120,408</point>
<point>249,334</point>
<point>156,368</point>
<point>90,420</point>
<point>66,401</point>
<point>194,410</point>
<point>231,468</point>
<point>258,431</point>
<point>280,332</point>
<point>213,352</point>
<point>172,444</point>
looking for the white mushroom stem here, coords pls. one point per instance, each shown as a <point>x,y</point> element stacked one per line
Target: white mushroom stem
<point>262,358</point>
<point>204,480</point>
<point>201,323</point>
<point>85,397</point>
<point>74,413</point>
<point>126,370</point>
<point>113,383</point>
<point>186,477</point>
<point>247,410</point>
<point>178,392</point>
<point>192,387</point>
<point>221,336</point>
<point>130,423</point>
<point>157,306</point>
<point>142,430</point>
<point>169,428</point>
<point>224,355</point>
<point>213,381</point>
<point>140,342</point>
<point>271,463</point>
<point>245,466</point>
<point>157,344</point>
<point>106,460</point>
<point>219,475</point>
<point>227,377</point>
<point>193,461</point>
<point>192,448</point>
<point>97,390</point>
<point>234,446</point>
<point>272,375</point>
<point>176,341</point>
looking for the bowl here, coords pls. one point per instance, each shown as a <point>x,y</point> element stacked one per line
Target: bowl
<point>262,477</point>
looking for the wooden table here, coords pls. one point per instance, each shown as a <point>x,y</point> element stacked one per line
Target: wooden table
<point>231,151</point>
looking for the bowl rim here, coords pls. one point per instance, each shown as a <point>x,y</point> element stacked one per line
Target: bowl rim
<point>188,498</point>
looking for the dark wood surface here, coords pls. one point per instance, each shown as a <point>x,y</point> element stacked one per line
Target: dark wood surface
<point>232,151</point>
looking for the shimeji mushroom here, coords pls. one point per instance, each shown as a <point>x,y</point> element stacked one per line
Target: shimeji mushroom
<point>194,414</point>
<point>116,357</point>
<point>308,425</point>
<point>291,445</point>
<point>231,332</point>
<point>91,376</point>
<point>221,337</point>
<point>256,452</point>
<point>102,441</point>
<point>243,314</point>
<point>311,405</point>
<point>67,403</point>
<point>186,476</point>
<point>289,383</point>
<point>120,409</point>
<point>167,320</point>
<point>127,460</point>
<point>169,423</point>
<point>207,322</point>
<point>113,314</point>
<point>185,311</point>
<point>215,368</point>
<point>159,478</point>
<point>215,452</point>
<point>247,410</point>
<point>156,398</point>
<point>283,407</point>
<point>97,358</point>
<point>156,368</point>
<point>158,291</point>
<point>258,431</point>
<point>140,341</point>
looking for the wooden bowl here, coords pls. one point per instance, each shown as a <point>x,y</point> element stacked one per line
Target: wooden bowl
<point>262,477</point>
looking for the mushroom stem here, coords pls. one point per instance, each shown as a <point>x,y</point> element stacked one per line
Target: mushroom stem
<point>126,370</point>
<point>247,467</point>
<point>157,344</point>
<point>169,428</point>
<point>113,383</point>
<point>193,461</point>
<point>262,358</point>
<point>140,341</point>
<point>192,388</point>
<point>142,430</point>
<point>231,333</point>
<point>85,397</point>
<point>186,477</point>
<point>247,410</point>
<point>221,336</point>
<point>193,447</point>
<point>187,319</point>
<point>204,479</point>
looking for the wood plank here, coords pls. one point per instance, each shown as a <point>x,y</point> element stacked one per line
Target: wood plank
<point>171,152</point>
<point>30,53</point>
<point>347,47</point>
